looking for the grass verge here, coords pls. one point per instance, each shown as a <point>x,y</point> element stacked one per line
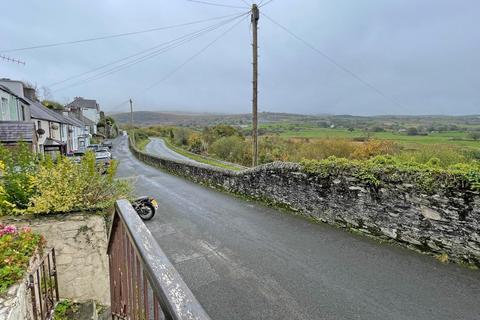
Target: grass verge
<point>200,158</point>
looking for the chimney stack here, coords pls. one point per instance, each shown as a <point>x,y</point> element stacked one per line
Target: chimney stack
<point>30,93</point>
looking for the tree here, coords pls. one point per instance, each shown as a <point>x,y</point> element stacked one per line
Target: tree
<point>50,104</point>
<point>474,135</point>
<point>412,131</point>
<point>229,148</point>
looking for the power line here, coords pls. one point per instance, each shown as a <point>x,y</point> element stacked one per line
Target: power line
<point>216,4</point>
<point>179,67</point>
<point>145,57</point>
<point>115,35</point>
<point>333,61</point>
<point>163,47</point>
<point>263,3</point>
<point>141,52</point>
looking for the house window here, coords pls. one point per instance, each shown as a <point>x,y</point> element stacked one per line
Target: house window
<point>22,112</point>
<point>39,124</point>
<point>13,110</point>
<point>4,108</point>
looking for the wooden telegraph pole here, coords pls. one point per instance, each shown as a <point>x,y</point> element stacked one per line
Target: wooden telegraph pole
<point>131,119</point>
<point>255,18</point>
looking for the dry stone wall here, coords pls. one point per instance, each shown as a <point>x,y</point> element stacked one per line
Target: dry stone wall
<point>447,221</point>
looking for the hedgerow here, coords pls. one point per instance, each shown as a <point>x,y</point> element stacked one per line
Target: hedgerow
<point>380,170</point>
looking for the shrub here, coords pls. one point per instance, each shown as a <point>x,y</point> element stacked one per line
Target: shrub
<point>324,148</point>
<point>446,155</point>
<point>387,169</point>
<point>16,249</point>
<point>195,143</point>
<point>231,149</point>
<point>374,148</point>
<point>18,165</point>
<point>474,135</point>
<point>180,136</point>
<point>68,186</point>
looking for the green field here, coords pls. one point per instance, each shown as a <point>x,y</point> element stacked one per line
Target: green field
<point>458,138</point>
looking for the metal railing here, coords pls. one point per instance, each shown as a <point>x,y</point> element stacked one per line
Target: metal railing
<point>43,285</point>
<point>144,284</point>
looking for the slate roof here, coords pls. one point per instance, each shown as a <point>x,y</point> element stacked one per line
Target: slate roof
<point>14,131</point>
<point>75,122</point>
<point>38,111</point>
<point>80,102</point>
<point>83,119</point>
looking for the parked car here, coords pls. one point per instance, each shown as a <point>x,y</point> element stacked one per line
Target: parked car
<point>102,153</point>
<point>94,147</point>
<point>107,144</point>
<point>76,156</point>
<point>103,159</point>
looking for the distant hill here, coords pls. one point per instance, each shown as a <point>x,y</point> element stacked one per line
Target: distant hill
<point>427,122</point>
<point>148,118</point>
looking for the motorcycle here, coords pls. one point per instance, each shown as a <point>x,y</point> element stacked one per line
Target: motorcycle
<point>146,207</point>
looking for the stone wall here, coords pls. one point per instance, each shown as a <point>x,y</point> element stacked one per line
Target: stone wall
<point>445,222</point>
<point>80,242</point>
<point>16,303</point>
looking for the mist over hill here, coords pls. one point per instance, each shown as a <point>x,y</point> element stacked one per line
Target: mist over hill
<point>150,118</point>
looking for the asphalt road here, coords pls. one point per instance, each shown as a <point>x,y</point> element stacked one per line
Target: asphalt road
<point>158,147</point>
<point>246,261</point>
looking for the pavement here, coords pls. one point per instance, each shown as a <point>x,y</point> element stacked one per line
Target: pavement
<point>244,260</point>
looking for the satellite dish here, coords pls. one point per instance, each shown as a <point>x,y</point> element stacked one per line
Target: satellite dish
<point>41,131</point>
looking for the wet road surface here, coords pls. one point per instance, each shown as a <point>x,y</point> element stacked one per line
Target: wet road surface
<point>244,260</point>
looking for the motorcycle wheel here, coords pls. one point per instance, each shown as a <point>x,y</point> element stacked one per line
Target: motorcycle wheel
<point>146,211</point>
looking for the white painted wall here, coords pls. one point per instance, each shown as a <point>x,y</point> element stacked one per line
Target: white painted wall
<point>91,114</point>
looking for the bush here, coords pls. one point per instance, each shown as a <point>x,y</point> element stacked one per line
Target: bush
<point>474,135</point>
<point>387,169</point>
<point>180,136</point>
<point>16,249</point>
<point>17,166</point>
<point>322,149</point>
<point>33,186</point>
<point>446,155</point>
<point>195,143</point>
<point>67,186</point>
<point>231,149</point>
<point>374,148</point>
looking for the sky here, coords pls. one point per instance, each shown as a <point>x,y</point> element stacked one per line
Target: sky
<point>369,57</point>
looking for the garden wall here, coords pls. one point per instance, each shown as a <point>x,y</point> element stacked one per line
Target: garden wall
<point>16,303</point>
<point>80,242</point>
<point>444,221</point>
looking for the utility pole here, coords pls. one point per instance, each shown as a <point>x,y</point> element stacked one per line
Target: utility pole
<point>131,119</point>
<point>255,18</point>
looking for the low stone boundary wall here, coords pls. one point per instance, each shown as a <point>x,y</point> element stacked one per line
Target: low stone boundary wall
<point>16,303</point>
<point>80,242</point>
<point>443,223</point>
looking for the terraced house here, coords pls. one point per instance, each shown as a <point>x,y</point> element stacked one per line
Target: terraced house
<point>24,118</point>
<point>15,120</point>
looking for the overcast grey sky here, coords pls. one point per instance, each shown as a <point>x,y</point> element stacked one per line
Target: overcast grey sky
<point>422,53</point>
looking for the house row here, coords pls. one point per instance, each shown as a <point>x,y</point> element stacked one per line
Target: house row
<point>24,118</point>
